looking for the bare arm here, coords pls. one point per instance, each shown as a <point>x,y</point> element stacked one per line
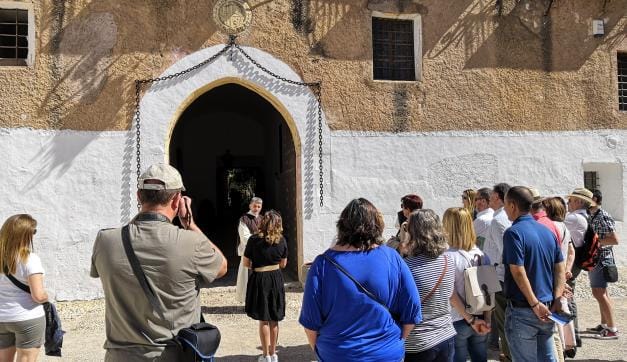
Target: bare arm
<point>187,220</point>
<point>37,291</point>
<point>609,239</point>
<point>246,262</point>
<point>570,260</point>
<point>480,326</point>
<point>312,336</point>
<point>283,263</point>
<point>520,277</point>
<point>406,329</point>
<point>559,280</point>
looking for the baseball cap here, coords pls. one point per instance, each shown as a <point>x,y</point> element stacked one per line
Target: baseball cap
<point>169,178</point>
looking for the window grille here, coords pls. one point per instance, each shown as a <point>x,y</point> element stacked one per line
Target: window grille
<point>393,49</point>
<point>591,180</point>
<point>622,81</point>
<point>13,36</point>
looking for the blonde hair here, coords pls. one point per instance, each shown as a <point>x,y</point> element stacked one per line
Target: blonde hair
<point>459,228</point>
<point>16,240</point>
<point>271,227</point>
<point>470,194</point>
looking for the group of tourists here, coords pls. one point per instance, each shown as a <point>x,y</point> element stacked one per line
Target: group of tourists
<point>365,298</point>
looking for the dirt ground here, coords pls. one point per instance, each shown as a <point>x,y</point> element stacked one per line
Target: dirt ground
<point>84,323</point>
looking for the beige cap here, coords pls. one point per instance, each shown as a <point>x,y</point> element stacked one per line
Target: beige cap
<point>168,176</point>
<point>584,194</point>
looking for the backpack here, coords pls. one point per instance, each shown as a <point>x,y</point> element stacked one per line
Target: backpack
<point>480,285</point>
<point>586,255</point>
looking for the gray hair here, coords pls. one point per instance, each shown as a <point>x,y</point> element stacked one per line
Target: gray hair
<point>256,200</point>
<point>426,233</point>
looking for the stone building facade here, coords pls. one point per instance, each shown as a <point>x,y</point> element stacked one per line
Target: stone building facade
<point>517,91</point>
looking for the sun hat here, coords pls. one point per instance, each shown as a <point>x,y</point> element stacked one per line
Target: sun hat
<point>535,194</point>
<point>583,194</point>
<point>168,178</point>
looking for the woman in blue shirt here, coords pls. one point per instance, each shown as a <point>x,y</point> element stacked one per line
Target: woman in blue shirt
<point>344,323</point>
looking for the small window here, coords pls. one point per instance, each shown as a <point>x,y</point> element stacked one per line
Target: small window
<point>591,180</point>
<point>13,36</point>
<point>393,49</point>
<point>622,81</point>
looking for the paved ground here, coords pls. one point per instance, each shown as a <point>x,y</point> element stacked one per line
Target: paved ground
<point>84,323</point>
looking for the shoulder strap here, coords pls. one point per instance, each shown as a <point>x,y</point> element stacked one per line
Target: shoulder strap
<point>359,285</point>
<point>16,282</point>
<point>428,296</point>
<point>139,273</point>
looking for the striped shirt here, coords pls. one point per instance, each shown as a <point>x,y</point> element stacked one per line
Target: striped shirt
<point>436,326</point>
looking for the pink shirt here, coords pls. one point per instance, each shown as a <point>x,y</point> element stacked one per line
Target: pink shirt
<point>541,217</point>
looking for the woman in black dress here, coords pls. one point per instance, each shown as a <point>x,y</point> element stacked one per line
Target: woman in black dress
<point>266,255</point>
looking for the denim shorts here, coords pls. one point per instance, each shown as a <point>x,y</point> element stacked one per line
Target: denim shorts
<point>597,280</point>
<point>23,334</point>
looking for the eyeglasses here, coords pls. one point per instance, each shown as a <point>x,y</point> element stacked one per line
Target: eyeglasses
<point>34,231</point>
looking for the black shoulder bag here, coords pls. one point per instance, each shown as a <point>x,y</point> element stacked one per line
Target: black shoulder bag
<point>196,343</point>
<point>54,333</point>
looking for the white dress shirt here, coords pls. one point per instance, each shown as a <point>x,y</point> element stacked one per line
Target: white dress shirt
<point>482,224</point>
<point>493,246</point>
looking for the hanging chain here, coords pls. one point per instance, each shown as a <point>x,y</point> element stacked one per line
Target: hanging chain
<point>317,88</point>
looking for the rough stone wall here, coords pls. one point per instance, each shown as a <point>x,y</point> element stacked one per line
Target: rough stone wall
<point>487,64</point>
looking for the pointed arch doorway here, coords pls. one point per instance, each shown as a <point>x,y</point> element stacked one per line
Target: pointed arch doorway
<point>231,142</point>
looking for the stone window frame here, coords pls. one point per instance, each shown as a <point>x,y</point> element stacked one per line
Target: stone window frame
<point>28,6</point>
<point>417,20</point>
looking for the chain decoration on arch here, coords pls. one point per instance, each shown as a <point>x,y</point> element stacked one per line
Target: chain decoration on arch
<point>316,87</point>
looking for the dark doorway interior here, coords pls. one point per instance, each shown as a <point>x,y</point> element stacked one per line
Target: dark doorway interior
<point>231,144</point>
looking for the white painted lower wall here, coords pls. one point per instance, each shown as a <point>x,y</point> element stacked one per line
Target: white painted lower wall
<point>75,183</point>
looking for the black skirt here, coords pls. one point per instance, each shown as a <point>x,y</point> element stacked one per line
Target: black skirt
<point>265,296</point>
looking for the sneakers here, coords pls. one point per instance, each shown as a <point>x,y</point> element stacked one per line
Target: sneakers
<point>263,358</point>
<point>597,329</point>
<point>274,358</point>
<point>607,334</point>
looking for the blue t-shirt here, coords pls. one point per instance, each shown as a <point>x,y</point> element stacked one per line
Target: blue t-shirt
<point>532,245</point>
<point>352,326</point>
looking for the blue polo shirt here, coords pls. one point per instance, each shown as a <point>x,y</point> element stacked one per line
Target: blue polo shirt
<point>532,245</point>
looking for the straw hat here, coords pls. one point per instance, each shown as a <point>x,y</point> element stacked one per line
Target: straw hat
<point>535,194</point>
<point>583,194</point>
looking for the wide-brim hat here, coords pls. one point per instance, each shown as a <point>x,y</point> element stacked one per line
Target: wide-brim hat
<point>535,194</point>
<point>166,177</point>
<point>583,194</point>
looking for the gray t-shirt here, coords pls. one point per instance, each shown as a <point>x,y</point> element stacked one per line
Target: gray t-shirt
<point>176,262</point>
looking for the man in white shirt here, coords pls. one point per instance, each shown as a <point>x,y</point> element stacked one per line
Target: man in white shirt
<point>576,222</point>
<point>248,225</point>
<point>493,247</point>
<point>484,215</point>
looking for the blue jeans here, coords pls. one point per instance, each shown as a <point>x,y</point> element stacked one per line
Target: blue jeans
<point>442,352</point>
<point>467,341</point>
<point>529,338</point>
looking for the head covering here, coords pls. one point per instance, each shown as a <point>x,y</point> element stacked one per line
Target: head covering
<point>583,194</point>
<point>166,177</point>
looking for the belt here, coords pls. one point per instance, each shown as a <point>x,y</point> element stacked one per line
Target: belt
<point>523,304</point>
<point>267,268</point>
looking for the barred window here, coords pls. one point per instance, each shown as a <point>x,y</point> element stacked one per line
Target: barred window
<point>393,49</point>
<point>13,36</point>
<point>591,180</point>
<point>622,81</point>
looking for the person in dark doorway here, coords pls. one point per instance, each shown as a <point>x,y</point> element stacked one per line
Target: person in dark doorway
<point>248,226</point>
<point>266,255</point>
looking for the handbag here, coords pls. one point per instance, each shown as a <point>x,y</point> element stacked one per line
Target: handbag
<point>371,295</point>
<point>54,333</point>
<point>610,272</point>
<point>196,343</point>
<point>480,286</point>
